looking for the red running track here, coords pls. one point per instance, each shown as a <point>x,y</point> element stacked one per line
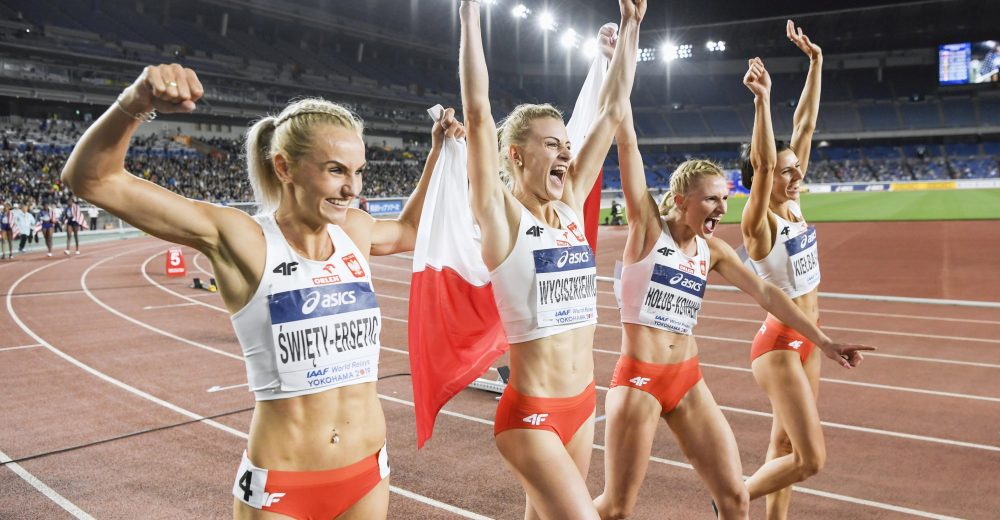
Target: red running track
<point>106,366</point>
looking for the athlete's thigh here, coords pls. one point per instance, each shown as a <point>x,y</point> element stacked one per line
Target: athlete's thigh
<point>242,511</point>
<point>632,418</point>
<point>812,368</point>
<point>581,446</point>
<point>706,439</point>
<point>374,505</point>
<point>782,376</point>
<point>549,475</point>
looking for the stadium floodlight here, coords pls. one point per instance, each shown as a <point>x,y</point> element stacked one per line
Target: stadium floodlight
<point>520,11</point>
<point>546,21</point>
<point>491,2</point>
<point>590,49</point>
<point>646,54</point>
<point>569,39</point>
<point>716,46</point>
<point>673,52</point>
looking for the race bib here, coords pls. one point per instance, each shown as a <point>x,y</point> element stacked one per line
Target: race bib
<point>673,299</point>
<point>326,335</point>
<point>803,252</point>
<point>567,285</point>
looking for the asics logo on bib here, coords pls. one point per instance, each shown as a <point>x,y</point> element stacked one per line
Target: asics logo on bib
<point>639,381</point>
<point>535,419</point>
<point>327,300</point>
<point>572,258</point>
<point>690,284</point>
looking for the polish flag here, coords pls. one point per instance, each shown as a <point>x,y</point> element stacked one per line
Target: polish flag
<point>454,328</point>
<point>584,114</point>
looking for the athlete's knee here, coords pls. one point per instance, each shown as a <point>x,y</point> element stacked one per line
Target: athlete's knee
<point>810,462</point>
<point>734,503</point>
<point>614,508</point>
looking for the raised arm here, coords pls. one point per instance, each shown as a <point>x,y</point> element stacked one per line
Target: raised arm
<point>640,207</point>
<point>95,171</point>
<point>804,122</point>
<point>392,236</point>
<point>486,190</point>
<point>727,263</point>
<point>763,157</point>
<point>612,105</point>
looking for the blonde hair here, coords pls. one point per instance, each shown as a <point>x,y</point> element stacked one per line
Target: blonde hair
<point>290,134</point>
<point>514,128</point>
<point>685,177</point>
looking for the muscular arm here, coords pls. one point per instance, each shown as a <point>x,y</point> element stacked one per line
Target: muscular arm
<point>807,111</point>
<point>763,157</point>
<point>486,191</point>
<point>727,263</point>
<point>640,207</point>
<point>612,105</point>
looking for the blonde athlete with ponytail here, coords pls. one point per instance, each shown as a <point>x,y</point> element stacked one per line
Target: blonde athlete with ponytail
<point>668,254</point>
<point>543,272</point>
<point>296,280</point>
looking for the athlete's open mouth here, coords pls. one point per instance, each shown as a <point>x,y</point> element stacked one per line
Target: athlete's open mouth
<point>710,224</point>
<point>340,203</point>
<point>557,174</point>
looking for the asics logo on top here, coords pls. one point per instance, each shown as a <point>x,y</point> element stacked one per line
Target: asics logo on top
<point>535,419</point>
<point>534,231</point>
<point>271,498</point>
<point>684,282</point>
<point>327,300</point>
<point>795,344</point>
<point>286,268</point>
<point>639,381</point>
<point>572,258</point>
<point>665,251</point>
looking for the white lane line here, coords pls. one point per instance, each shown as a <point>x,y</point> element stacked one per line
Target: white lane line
<point>20,347</point>
<point>171,406</point>
<point>42,488</point>
<point>170,306</point>
<point>863,313</point>
<point>166,289</point>
<point>197,265</point>
<point>218,388</point>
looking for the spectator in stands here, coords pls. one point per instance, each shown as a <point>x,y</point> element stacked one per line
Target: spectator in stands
<point>616,219</point>
<point>785,363</point>
<point>323,437</point>
<point>25,224</point>
<point>6,231</point>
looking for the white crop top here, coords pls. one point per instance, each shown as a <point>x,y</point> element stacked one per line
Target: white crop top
<point>793,263</point>
<point>548,284</point>
<point>665,289</point>
<point>311,325</point>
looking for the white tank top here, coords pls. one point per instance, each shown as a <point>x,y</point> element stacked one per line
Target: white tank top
<point>665,289</point>
<point>311,326</point>
<point>548,284</point>
<point>793,263</point>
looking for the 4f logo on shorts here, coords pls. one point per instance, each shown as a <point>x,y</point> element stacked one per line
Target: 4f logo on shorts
<point>763,329</point>
<point>639,381</point>
<point>271,498</point>
<point>534,231</point>
<point>795,344</point>
<point>535,419</point>
<point>354,265</point>
<point>286,268</point>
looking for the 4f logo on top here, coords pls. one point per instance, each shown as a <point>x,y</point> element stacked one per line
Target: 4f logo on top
<point>354,265</point>
<point>535,419</point>
<point>665,251</point>
<point>534,231</point>
<point>286,268</point>
<point>639,381</point>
